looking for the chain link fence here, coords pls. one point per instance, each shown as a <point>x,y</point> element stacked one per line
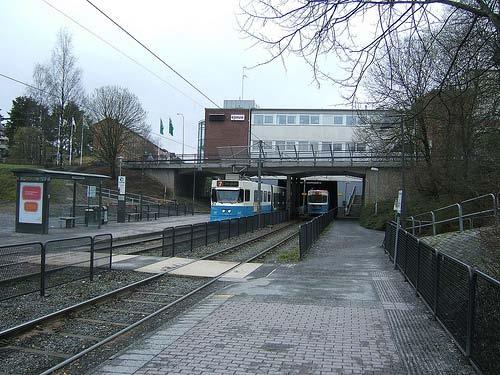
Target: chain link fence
<point>463,299</point>
<point>310,231</point>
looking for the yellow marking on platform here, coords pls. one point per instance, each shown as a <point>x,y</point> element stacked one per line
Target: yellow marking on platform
<point>164,265</point>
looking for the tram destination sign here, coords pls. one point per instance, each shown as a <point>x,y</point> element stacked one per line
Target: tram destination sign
<point>221,183</point>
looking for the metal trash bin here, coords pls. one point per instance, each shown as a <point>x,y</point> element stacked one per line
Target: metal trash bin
<point>90,216</point>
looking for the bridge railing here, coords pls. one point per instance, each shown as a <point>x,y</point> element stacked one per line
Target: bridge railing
<point>467,214</point>
<point>274,156</point>
<point>464,300</point>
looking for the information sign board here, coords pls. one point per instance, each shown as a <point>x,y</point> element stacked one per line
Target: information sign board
<point>121,184</point>
<point>31,202</point>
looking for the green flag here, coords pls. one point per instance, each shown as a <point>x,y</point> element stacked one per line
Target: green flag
<point>161,127</point>
<point>170,127</point>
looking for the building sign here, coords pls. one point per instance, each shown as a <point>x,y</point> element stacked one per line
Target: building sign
<point>237,117</point>
<point>121,184</point>
<point>30,202</point>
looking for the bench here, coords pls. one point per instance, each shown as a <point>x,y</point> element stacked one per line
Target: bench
<point>133,214</point>
<point>69,220</point>
<point>153,214</point>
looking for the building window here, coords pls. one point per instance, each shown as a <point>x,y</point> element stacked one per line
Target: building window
<point>337,146</point>
<point>258,119</point>
<point>290,120</point>
<point>267,145</point>
<point>360,146</point>
<point>280,145</point>
<point>290,145</point>
<point>328,119</point>
<point>351,146</point>
<point>303,145</point>
<point>325,146</point>
<point>315,119</point>
<point>314,146</point>
<point>268,119</point>
<point>338,120</point>
<point>351,120</point>
<point>304,119</point>
<point>281,119</point>
<point>255,146</point>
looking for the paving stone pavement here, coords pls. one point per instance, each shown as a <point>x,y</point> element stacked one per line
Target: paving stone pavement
<point>343,310</point>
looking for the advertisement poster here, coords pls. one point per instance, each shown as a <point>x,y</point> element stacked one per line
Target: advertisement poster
<point>30,205</point>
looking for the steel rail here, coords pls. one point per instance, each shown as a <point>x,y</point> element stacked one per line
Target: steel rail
<point>34,322</point>
<point>161,310</point>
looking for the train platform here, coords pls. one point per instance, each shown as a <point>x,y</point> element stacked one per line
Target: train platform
<point>118,230</point>
<point>342,310</point>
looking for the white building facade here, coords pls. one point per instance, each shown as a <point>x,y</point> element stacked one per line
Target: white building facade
<point>307,130</point>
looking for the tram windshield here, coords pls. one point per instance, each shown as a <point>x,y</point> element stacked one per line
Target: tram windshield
<point>227,196</point>
<point>317,198</point>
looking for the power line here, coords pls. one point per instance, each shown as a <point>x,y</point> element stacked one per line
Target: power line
<point>154,54</point>
<point>122,53</point>
<point>173,140</point>
<point>27,84</point>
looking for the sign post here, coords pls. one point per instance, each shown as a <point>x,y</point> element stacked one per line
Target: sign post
<point>121,199</point>
<point>397,208</point>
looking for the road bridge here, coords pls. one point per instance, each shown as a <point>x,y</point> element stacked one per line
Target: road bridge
<point>380,173</point>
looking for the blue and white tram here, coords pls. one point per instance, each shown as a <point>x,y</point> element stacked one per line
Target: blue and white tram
<point>317,202</point>
<point>238,198</point>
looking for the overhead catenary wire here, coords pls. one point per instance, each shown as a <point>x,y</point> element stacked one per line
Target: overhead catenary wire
<point>122,53</point>
<point>153,54</point>
<point>27,84</point>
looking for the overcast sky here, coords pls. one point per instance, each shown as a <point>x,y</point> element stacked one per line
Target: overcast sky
<point>199,38</point>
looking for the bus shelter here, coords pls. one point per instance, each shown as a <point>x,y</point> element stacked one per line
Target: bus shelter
<point>33,197</point>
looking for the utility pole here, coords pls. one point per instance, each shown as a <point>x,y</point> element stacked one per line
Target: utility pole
<point>243,76</point>
<point>81,147</point>
<point>259,181</point>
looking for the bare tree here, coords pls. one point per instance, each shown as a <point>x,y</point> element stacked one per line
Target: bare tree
<point>59,82</point>
<point>118,117</point>
<point>360,33</point>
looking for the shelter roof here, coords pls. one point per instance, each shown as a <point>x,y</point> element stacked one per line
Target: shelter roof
<point>61,175</point>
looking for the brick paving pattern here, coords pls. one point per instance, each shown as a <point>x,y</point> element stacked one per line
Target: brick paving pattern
<point>343,310</point>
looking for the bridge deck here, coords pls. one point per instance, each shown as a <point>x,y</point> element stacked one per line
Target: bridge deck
<point>343,310</point>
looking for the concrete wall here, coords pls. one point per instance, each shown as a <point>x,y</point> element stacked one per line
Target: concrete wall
<point>389,182</point>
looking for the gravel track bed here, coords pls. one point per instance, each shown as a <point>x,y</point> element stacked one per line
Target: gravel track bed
<point>96,322</point>
<point>252,249</point>
<point>24,308</point>
<point>15,362</point>
<point>224,244</point>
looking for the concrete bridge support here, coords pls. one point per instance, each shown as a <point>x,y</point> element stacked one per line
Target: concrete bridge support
<point>383,183</point>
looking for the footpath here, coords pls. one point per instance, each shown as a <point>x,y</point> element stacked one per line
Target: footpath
<point>343,310</point>
<point>9,237</point>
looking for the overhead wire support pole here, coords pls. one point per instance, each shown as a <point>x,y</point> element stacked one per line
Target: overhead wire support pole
<point>259,182</point>
<point>154,54</point>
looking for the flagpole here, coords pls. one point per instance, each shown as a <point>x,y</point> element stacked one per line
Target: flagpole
<point>81,147</point>
<point>71,141</point>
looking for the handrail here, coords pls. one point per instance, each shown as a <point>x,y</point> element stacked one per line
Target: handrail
<point>492,211</point>
<point>111,193</point>
<point>350,201</point>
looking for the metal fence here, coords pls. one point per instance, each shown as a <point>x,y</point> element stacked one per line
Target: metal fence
<point>188,237</point>
<point>310,231</point>
<point>30,267</point>
<point>464,300</point>
<point>467,214</point>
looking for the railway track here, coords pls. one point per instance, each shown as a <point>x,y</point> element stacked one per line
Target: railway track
<point>49,343</point>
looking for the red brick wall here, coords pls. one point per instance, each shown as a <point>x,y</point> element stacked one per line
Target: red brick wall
<point>227,133</point>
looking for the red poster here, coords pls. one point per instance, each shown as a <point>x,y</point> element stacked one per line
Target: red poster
<point>32,193</point>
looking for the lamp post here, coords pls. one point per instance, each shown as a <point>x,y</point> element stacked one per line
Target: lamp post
<point>180,114</point>
<point>120,159</point>
<point>374,169</point>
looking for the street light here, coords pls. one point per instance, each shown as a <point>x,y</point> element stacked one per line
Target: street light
<point>375,169</point>
<point>120,159</point>
<point>180,114</point>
